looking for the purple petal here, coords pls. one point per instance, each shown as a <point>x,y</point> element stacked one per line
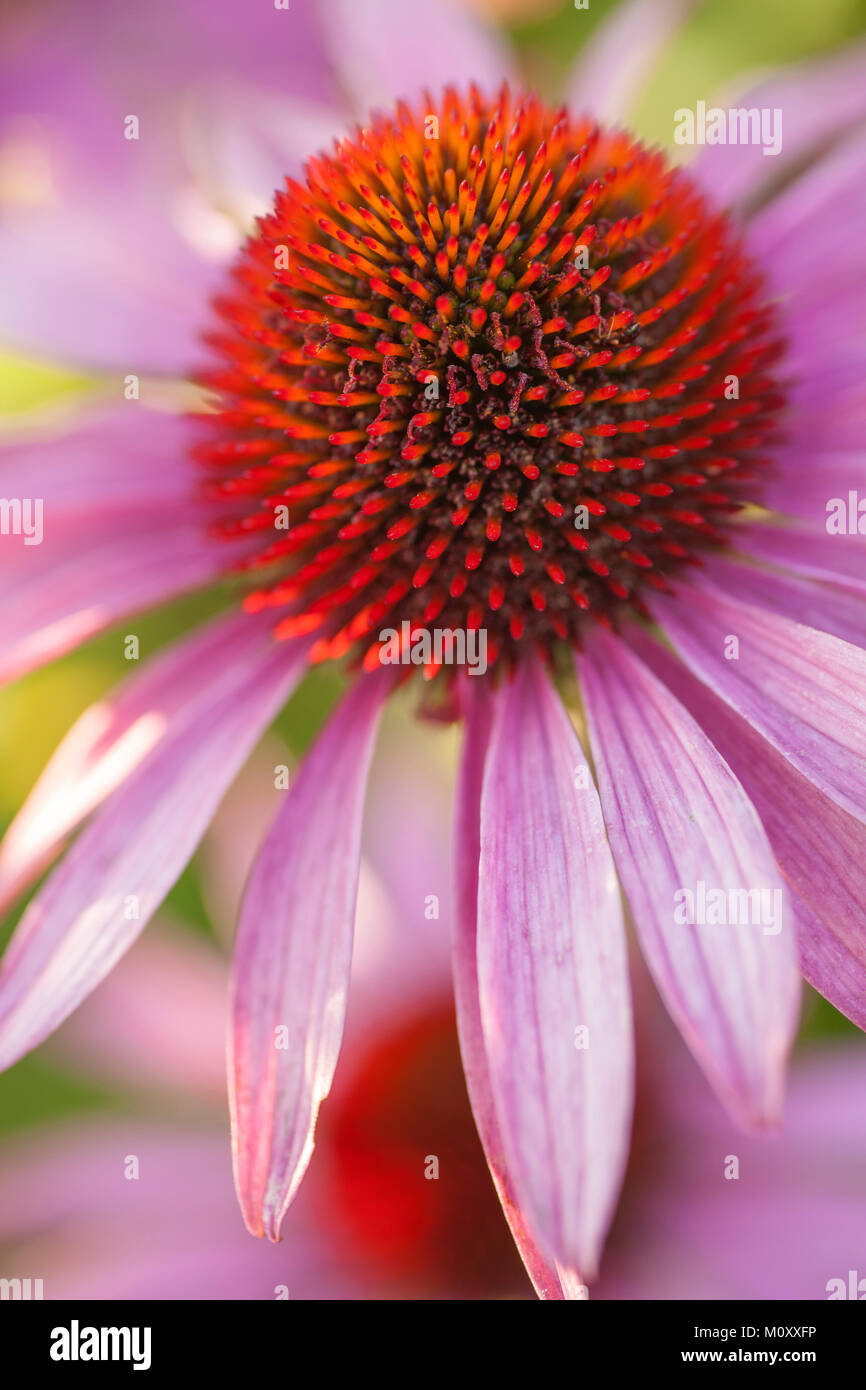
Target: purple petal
<point>552,975</point>
<point>677,817</point>
<point>467,849</point>
<point>117,873</point>
<point>819,847</point>
<point>111,738</point>
<point>614,64</point>
<point>803,690</point>
<point>384,54</point>
<point>292,960</point>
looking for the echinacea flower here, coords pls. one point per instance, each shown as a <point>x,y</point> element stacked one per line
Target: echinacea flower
<point>495,367</point>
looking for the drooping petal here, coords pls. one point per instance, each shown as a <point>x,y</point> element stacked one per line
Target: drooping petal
<point>386,50</point>
<point>117,873</point>
<point>819,847</point>
<point>111,738</point>
<point>292,959</point>
<point>803,690</point>
<point>467,849</point>
<point>613,65</point>
<point>552,975</point>
<point>678,819</point>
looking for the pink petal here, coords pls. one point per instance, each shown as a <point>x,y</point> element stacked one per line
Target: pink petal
<point>74,468</point>
<point>93,576</point>
<point>828,608</point>
<point>111,738</point>
<point>676,816</point>
<point>119,870</point>
<point>616,61</point>
<point>467,848</point>
<point>819,847</point>
<point>382,54</point>
<point>841,559</point>
<point>803,690</point>
<point>818,101</point>
<point>292,961</point>
<point>551,960</point>
<point>802,481</point>
<point>835,182</point>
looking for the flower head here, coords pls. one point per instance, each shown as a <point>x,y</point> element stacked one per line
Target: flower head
<point>489,358</point>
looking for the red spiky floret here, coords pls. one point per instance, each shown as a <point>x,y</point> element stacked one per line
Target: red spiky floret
<point>495,366</point>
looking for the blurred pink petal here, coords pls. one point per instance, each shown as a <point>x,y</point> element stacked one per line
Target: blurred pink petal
<point>115,876</point>
<point>96,577</point>
<point>619,56</point>
<point>74,466</point>
<point>103,555</point>
<point>162,1012</point>
<point>551,961</point>
<point>820,100</point>
<point>676,816</point>
<point>110,739</point>
<point>792,1219</point>
<point>128,290</point>
<point>292,959</point>
<point>69,1206</point>
<point>385,50</point>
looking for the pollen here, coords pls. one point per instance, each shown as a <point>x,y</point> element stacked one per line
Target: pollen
<point>491,366</point>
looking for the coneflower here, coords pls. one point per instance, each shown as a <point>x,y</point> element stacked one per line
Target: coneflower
<point>501,370</point>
